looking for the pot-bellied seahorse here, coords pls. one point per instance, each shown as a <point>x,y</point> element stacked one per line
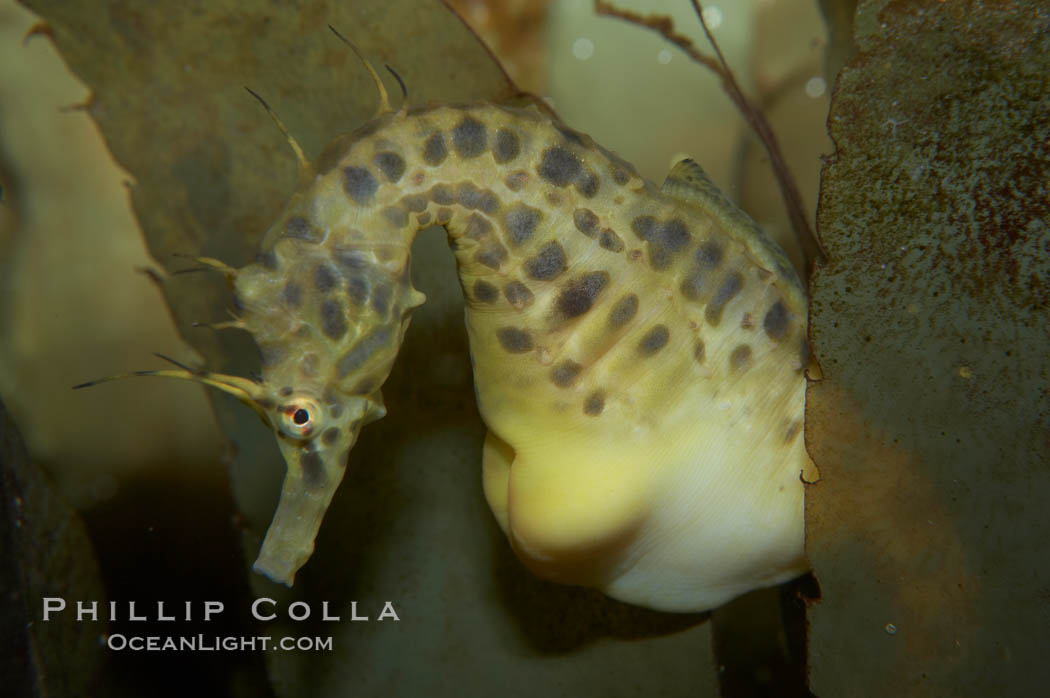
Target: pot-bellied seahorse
<point>638,353</point>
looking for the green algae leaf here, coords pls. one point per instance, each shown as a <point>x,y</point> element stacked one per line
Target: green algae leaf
<point>409,523</point>
<point>932,425</point>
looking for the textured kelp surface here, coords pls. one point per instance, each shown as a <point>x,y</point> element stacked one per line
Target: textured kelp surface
<point>409,524</point>
<point>932,424</point>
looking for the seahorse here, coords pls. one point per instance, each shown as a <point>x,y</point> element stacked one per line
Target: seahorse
<point>638,352</point>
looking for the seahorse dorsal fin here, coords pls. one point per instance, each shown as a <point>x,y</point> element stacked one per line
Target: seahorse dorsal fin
<point>688,183</point>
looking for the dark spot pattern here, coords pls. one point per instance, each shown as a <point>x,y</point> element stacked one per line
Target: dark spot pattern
<point>521,223</point>
<point>516,181</point>
<point>792,431</point>
<point>391,165</point>
<point>623,311</point>
<point>351,259</point>
<point>507,146</point>
<point>665,239</point>
<point>485,292</point>
<point>470,138</point>
<point>416,203</point>
<point>579,295</point>
<point>709,255</point>
<point>396,215</point>
<point>740,358</point>
<point>286,391</point>
<point>292,294</point>
<point>594,404</point>
<point>565,373</point>
<point>518,294</point>
<point>359,184</point>
<point>471,197</point>
<point>357,289</point>
<point>569,134</point>
<point>775,323</point>
<point>330,435</point>
<point>726,292</point>
<point>514,340</point>
<point>586,221</point>
<point>610,241</point>
<point>442,194</point>
<point>368,345</point>
<point>693,284</point>
<point>478,227</point>
<point>587,185</point>
<point>559,166</point>
<point>333,321</point>
<point>300,228</point>
<point>492,255</point>
<point>435,150</point>
<point>325,278</point>
<point>314,475</point>
<point>620,175</point>
<point>548,263</point>
<point>654,340</point>
<point>700,351</point>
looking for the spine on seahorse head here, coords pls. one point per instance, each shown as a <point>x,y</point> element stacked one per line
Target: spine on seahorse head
<point>598,307</point>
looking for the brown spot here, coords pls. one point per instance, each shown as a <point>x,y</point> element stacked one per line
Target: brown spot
<point>740,358</point>
<point>391,165</point>
<point>435,150</point>
<point>775,323</point>
<point>586,221</point>
<point>514,340</point>
<point>300,228</point>
<point>333,320</point>
<point>521,223</point>
<point>423,219</point>
<point>595,403</point>
<point>381,295</point>
<point>507,146</point>
<point>579,295</point>
<point>518,294</point>
<point>693,283</point>
<point>396,215</point>
<point>548,263</point>
<point>726,292</point>
<point>565,373</point>
<point>665,239</point>
<point>415,203</point>
<point>516,181</point>
<point>559,166</point>
<point>357,289</point>
<point>700,351</point>
<point>292,294</point>
<point>587,185</point>
<point>267,260</point>
<point>610,241</point>
<point>330,435</point>
<point>469,196</point>
<point>747,322</point>
<point>709,256</point>
<point>492,255</point>
<point>444,215</point>
<point>623,311</point>
<point>286,391</point>
<point>314,476</point>
<point>325,278</point>
<point>569,134</point>
<point>470,138</point>
<point>792,431</point>
<point>478,227</point>
<point>485,292</point>
<point>442,194</point>
<point>654,340</point>
<point>359,184</point>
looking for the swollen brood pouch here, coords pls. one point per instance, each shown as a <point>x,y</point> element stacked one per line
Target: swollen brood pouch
<point>638,353</point>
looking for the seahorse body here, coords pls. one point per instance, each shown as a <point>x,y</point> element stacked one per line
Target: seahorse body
<point>638,353</point>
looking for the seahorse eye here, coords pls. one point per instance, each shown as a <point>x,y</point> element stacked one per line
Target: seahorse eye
<point>299,417</point>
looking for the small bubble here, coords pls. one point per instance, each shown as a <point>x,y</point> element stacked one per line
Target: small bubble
<point>664,57</point>
<point>583,48</point>
<point>891,629</point>
<point>816,86</point>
